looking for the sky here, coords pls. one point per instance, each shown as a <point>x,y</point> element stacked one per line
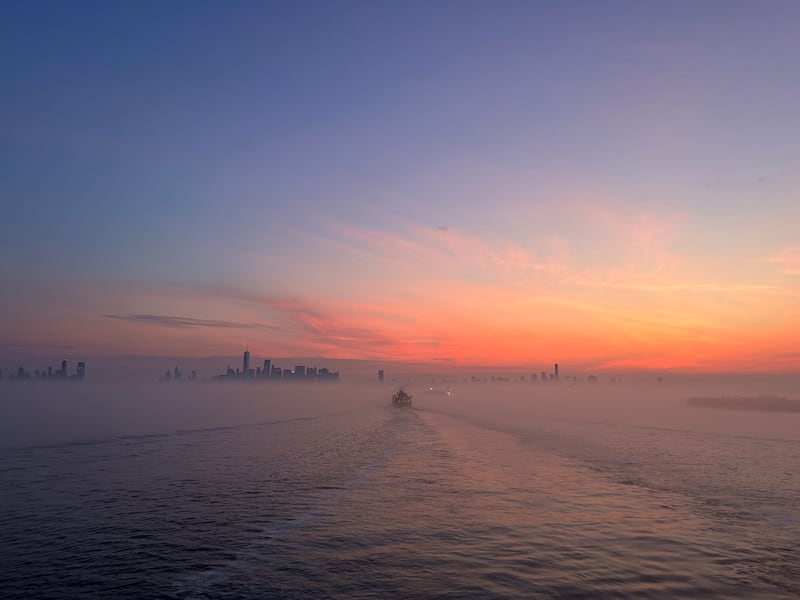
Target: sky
<point>608,185</point>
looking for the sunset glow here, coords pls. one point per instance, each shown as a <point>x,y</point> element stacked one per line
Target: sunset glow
<point>613,194</point>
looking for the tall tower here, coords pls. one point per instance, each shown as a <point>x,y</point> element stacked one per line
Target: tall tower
<point>556,371</point>
<point>64,368</point>
<point>246,364</point>
<point>81,373</point>
<point>380,375</point>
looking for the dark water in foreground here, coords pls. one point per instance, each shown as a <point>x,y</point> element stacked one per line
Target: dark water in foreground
<point>444,500</point>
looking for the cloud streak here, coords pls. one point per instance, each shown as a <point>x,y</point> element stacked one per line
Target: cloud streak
<point>787,260</point>
<point>43,345</point>
<point>442,249</point>
<point>175,322</point>
<point>343,330</point>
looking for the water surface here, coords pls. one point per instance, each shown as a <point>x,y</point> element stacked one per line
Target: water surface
<point>299,493</point>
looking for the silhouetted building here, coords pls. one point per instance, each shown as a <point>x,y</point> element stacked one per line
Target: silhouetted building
<point>246,364</point>
<point>81,372</point>
<point>23,374</point>
<point>265,372</point>
<point>64,368</point>
<point>544,377</point>
<point>533,377</point>
<point>555,371</point>
<point>325,375</point>
<point>592,379</point>
<point>380,375</point>
<point>299,372</point>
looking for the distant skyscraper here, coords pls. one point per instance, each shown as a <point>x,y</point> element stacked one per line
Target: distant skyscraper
<point>64,368</point>
<point>380,375</point>
<point>556,371</point>
<point>81,373</point>
<point>544,377</point>
<point>533,377</point>
<point>246,364</point>
<point>265,372</point>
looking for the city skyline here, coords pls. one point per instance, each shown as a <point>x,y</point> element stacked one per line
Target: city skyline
<point>456,186</point>
<point>270,371</point>
<point>60,374</point>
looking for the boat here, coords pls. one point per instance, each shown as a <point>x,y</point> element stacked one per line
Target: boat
<point>401,398</point>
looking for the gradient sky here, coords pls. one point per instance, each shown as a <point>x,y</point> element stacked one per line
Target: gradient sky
<point>613,185</point>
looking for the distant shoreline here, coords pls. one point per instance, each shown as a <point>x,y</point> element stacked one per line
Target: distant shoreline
<point>764,403</point>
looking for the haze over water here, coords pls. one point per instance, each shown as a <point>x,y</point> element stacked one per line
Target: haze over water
<point>244,491</point>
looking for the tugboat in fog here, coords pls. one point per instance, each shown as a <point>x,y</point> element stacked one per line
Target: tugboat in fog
<point>401,398</point>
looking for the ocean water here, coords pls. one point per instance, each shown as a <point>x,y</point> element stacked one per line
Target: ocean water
<point>283,492</point>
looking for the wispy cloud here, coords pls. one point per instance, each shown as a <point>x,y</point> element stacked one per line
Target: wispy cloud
<point>175,322</point>
<point>43,345</point>
<point>442,249</point>
<point>644,262</point>
<point>342,329</point>
<point>643,283</point>
<point>787,259</point>
<point>645,232</point>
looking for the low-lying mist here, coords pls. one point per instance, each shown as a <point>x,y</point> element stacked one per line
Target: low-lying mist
<point>43,414</point>
<point>34,414</point>
<point>647,406</point>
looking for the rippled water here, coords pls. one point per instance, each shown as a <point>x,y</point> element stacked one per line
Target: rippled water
<point>443,500</point>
